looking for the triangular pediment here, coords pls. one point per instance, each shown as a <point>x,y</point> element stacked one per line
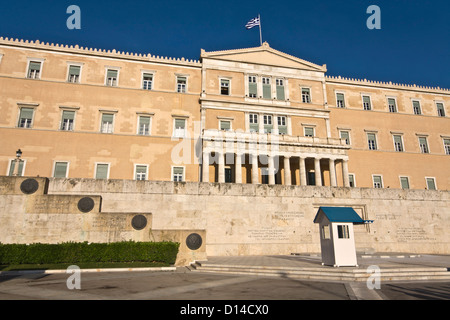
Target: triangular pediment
<point>264,55</point>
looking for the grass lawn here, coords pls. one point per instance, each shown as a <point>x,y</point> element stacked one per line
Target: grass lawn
<point>85,265</point>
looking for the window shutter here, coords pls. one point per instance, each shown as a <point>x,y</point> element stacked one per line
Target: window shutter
<point>102,171</point>
<point>267,91</point>
<point>398,139</point>
<point>280,93</point>
<point>423,140</point>
<point>13,166</point>
<point>430,184</point>
<point>107,117</point>
<point>26,113</point>
<point>404,182</point>
<point>35,65</point>
<point>69,115</point>
<point>377,179</point>
<point>60,169</point>
<point>144,121</point>
<point>180,123</point>
<point>177,170</point>
<point>225,125</point>
<point>141,169</point>
<point>74,70</point>
<point>112,73</point>
<point>309,132</point>
<point>252,89</point>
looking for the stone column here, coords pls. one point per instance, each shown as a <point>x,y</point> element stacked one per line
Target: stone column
<point>271,170</point>
<point>345,173</point>
<point>302,172</point>
<point>287,171</point>
<point>254,168</point>
<point>238,168</point>
<point>221,173</point>
<point>205,166</point>
<point>332,173</point>
<point>317,172</point>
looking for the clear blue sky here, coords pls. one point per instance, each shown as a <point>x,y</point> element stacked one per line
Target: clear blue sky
<point>413,45</point>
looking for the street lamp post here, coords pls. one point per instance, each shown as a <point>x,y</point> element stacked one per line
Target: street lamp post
<point>17,163</point>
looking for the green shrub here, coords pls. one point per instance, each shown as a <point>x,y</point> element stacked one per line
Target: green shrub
<point>72,252</point>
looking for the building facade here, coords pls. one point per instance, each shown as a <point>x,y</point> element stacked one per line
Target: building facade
<point>253,115</point>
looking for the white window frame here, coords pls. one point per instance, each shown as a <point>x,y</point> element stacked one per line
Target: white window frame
<point>75,64</point>
<point>61,117</point>
<point>309,127</point>
<point>220,86</point>
<point>29,60</point>
<point>373,181</point>
<point>135,172</point>
<point>336,99</point>
<point>443,107</point>
<point>9,167</point>
<point>247,86</point>
<point>427,145</point>
<point>106,76</point>
<point>175,133</point>
<point>420,107</point>
<point>138,128</point>
<point>309,96</point>
<point>225,120</point>
<point>446,150</point>
<point>376,140</point>
<point>143,72</point>
<point>396,104</point>
<point>400,180</point>
<point>1,57</point>
<point>349,135</point>
<point>26,106</point>
<point>401,138</point>
<point>61,161</point>
<point>95,171</point>
<point>183,177</point>
<point>434,180</point>
<point>102,112</point>
<point>354,179</point>
<point>370,101</point>
<point>186,85</point>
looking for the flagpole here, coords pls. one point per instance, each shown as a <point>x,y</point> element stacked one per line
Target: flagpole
<point>260,34</point>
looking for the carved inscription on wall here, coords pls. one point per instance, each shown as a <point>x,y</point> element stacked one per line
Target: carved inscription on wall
<point>412,234</point>
<point>109,222</point>
<point>268,235</point>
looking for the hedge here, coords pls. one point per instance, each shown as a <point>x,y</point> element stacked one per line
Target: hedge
<point>72,252</point>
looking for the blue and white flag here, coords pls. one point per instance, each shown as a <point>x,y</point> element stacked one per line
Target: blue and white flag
<point>252,23</point>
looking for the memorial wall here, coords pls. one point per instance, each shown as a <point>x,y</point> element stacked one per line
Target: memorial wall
<point>212,219</point>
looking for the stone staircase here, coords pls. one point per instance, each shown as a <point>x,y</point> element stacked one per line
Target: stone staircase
<point>327,273</point>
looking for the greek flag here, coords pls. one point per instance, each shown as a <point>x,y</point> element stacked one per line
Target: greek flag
<point>252,23</point>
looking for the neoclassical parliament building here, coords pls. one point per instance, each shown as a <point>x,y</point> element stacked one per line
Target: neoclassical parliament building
<point>251,116</point>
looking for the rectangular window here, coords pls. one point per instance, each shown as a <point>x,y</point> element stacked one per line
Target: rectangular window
<point>343,231</point>
<point>141,172</point>
<point>267,89</point>
<point>404,182</point>
<point>372,141</point>
<point>280,89</point>
<point>252,87</point>
<point>111,77</point>
<point>144,126</point>
<point>180,128</point>
<point>253,119</point>
<point>60,170</point>
<point>101,171</point>
<point>178,174</point>
<point>34,70</point>
<point>398,144</point>
<point>282,127</point>
<point>351,180</point>
<point>268,126</point>
<point>181,84</point>
<point>67,120</point>
<point>440,109</point>
<point>147,81</point>
<point>340,103</point>
<point>309,132</point>
<point>225,87</point>
<point>366,103</point>
<point>377,182</point>
<point>392,105</point>
<point>306,95</point>
<point>345,135</point>
<point>431,183</point>
<point>26,117</point>
<point>74,74</point>
<point>416,107</point>
<point>225,125</point>
<point>447,146</point>
<point>326,232</point>
<point>12,167</point>
<point>107,123</point>
<point>423,145</point>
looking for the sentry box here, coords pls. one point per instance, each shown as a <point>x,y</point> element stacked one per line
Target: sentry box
<point>336,235</point>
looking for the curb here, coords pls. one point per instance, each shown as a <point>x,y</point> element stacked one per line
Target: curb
<point>58,271</point>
